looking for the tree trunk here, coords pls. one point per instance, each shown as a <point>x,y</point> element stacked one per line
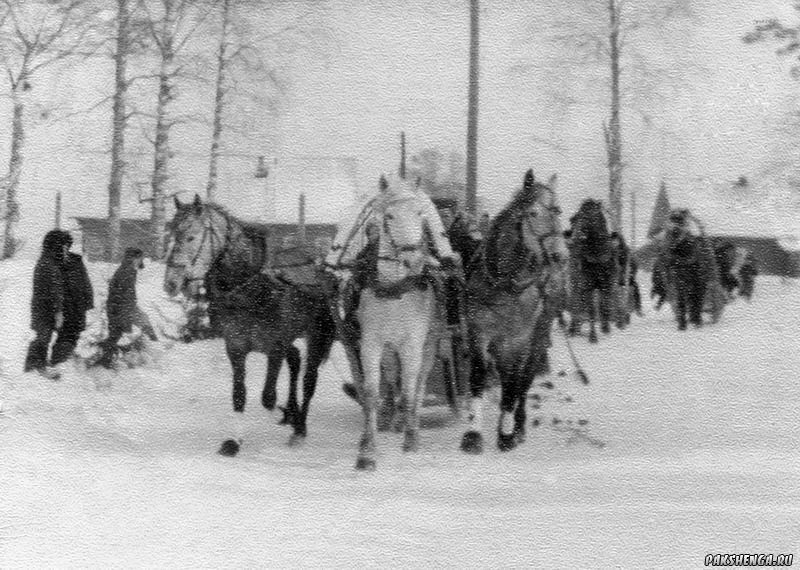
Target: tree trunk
<point>472,110</point>
<point>614,135</point>
<point>119,122</point>
<point>158,216</point>
<point>219,104</point>
<point>14,168</point>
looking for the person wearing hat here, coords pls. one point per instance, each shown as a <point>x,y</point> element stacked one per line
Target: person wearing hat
<point>121,306</point>
<point>47,302</point>
<point>78,298</point>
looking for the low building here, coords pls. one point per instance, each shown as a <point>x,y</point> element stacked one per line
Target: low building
<point>93,236</point>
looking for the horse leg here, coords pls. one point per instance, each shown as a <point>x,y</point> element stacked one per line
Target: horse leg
<point>592,310</point>
<point>506,440</point>
<point>472,440</point>
<point>605,309</point>
<point>681,295</point>
<point>230,447</point>
<point>696,301</point>
<point>274,362</point>
<point>371,351</point>
<point>292,409</point>
<point>416,366</point>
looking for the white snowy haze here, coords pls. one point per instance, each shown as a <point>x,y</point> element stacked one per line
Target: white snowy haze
<point>355,74</point>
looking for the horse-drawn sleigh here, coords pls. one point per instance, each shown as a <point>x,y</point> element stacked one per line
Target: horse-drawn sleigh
<point>503,331</point>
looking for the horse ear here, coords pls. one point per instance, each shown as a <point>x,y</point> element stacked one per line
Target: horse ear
<point>197,204</point>
<point>383,184</point>
<point>528,184</point>
<point>177,202</point>
<point>552,183</point>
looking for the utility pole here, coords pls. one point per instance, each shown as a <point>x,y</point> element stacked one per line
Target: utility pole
<point>58,210</point>
<point>301,221</point>
<point>403,155</point>
<point>472,110</point>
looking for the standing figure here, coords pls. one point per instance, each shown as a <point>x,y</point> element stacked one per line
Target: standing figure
<point>47,302</point>
<point>78,298</point>
<point>121,307</point>
<point>687,270</point>
<point>747,277</point>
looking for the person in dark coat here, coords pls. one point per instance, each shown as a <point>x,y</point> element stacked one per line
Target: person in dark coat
<point>47,302</point>
<point>78,298</point>
<point>121,307</point>
<point>747,277</point>
<point>685,262</point>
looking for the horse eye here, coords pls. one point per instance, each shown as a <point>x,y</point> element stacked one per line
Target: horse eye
<point>190,238</point>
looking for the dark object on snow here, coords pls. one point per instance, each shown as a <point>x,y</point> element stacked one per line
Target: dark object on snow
<point>594,267</point>
<point>747,277</point>
<point>255,311</point>
<point>47,300</point>
<point>78,298</point>
<point>506,305</point>
<point>121,306</point>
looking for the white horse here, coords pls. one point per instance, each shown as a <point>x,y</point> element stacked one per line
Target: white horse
<point>396,310</point>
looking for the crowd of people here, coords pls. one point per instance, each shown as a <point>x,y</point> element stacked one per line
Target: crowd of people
<point>63,294</point>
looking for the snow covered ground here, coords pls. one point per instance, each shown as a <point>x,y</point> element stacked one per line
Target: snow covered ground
<point>693,447</point>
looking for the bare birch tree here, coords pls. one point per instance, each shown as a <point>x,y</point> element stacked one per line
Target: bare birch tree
<point>616,34</point>
<point>35,35</point>
<point>170,25</point>
<point>241,61</point>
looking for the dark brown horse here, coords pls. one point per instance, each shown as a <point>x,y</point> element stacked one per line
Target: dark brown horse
<point>255,311</point>
<point>509,312</point>
<point>593,268</point>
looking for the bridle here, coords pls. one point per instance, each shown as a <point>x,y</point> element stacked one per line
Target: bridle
<point>210,237</point>
<point>392,242</point>
<point>525,218</point>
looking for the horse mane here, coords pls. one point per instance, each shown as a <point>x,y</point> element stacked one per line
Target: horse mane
<point>503,252</point>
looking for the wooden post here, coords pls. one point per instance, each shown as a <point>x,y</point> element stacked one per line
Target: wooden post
<point>403,155</point>
<point>58,210</point>
<point>301,221</point>
<point>472,110</point>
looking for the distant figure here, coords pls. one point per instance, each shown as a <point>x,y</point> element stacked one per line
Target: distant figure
<point>685,264</point>
<point>747,277</point>
<point>47,302</point>
<point>78,298</point>
<point>121,308</point>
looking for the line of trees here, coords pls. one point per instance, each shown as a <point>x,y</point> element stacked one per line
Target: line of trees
<point>161,50</point>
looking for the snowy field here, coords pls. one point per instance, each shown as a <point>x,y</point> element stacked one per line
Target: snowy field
<point>692,447</point>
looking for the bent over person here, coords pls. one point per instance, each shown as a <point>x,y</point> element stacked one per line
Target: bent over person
<point>47,302</point>
<point>121,307</point>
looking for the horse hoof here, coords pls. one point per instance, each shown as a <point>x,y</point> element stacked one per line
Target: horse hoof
<point>296,440</point>
<point>593,338</point>
<point>287,417</point>
<point>229,448</point>
<point>351,391</point>
<point>506,442</point>
<point>583,377</point>
<point>365,464</point>
<point>472,443</point>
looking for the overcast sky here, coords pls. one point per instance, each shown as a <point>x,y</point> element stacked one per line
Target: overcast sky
<point>387,67</point>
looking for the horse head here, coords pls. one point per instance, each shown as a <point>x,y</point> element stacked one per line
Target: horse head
<point>198,232</point>
<point>528,231</point>
<point>402,227</point>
